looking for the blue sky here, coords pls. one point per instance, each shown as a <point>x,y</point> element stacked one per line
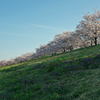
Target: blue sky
<point>25,24</point>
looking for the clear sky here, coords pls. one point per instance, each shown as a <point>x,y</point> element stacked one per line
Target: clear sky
<point>25,24</point>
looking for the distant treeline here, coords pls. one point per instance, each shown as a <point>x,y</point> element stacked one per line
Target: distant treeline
<point>87,33</point>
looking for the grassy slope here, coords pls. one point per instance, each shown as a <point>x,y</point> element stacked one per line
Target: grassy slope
<point>68,76</point>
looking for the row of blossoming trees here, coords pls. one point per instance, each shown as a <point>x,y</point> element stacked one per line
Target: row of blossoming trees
<point>87,33</point>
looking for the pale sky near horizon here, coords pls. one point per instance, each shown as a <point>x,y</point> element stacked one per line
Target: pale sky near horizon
<point>25,24</point>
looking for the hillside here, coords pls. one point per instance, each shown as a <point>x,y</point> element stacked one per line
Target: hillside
<point>74,75</point>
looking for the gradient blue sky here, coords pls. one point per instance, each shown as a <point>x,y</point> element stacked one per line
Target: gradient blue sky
<point>25,24</point>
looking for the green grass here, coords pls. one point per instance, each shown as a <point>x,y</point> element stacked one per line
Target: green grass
<point>68,76</point>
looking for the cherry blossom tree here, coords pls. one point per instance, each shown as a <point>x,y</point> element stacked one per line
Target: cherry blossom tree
<point>89,28</point>
<point>66,41</point>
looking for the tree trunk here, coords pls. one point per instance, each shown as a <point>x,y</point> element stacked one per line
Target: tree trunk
<point>91,42</point>
<point>64,50</point>
<point>95,40</point>
<point>71,47</point>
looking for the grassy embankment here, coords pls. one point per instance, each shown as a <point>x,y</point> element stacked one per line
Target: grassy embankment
<point>68,76</point>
